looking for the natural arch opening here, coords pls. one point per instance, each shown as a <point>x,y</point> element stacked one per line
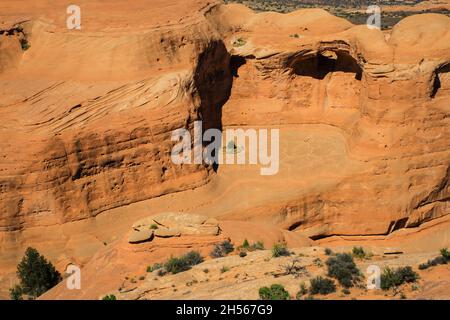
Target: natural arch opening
<point>320,65</point>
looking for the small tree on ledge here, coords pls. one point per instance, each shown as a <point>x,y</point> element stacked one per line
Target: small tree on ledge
<point>36,276</point>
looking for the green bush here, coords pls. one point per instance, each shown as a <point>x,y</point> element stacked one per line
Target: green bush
<point>224,269</point>
<point>222,249</point>
<point>246,246</point>
<point>24,44</point>
<point>280,250</point>
<point>193,258</point>
<point>176,265</point>
<point>343,269</point>
<point>444,258</point>
<point>303,291</point>
<point>328,252</point>
<point>154,226</point>
<point>275,292</point>
<point>358,252</point>
<point>156,266</point>
<point>109,297</point>
<point>445,254</point>
<point>16,293</point>
<point>36,275</point>
<point>393,278</point>
<point>259,245</point>
<point>321,285</point>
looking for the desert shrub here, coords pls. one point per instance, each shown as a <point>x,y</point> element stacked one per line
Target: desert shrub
<point>176,265</point>
<point>193,258</point>
<point>224,269</point>
<point>274,292</point>
<point>303,291</point>
<point>393,278</point>
<point>109,297</point>
<point>222,249</point>
<point>16,293</point>
<point>258,245</point>
<point>154,226</point>
<point>156,266</point>
<point>24,44</point>
<point>161,272</point>
<point>358,252</point>
<point>346,291</point>
<point>434,262</point>
<point>343,269</point>
<point>321,285</point>
<point>242,254</point>
<point>246,246</point>
<point>328,252</point>
<point>317,262</point>
<point>36,275</point>
<point>445,254</point>
<point>280,250</point>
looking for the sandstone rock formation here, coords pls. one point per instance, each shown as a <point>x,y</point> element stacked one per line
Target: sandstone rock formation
<point>173,224</point>
<point>87,117</point>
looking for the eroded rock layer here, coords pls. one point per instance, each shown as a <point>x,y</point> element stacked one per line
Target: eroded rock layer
<point>87,117</point>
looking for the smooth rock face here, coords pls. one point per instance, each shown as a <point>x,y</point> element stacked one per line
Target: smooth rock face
<point>87,118</point>
<point>175,224</point>
<point>140,235</point>
<point>167,233</point>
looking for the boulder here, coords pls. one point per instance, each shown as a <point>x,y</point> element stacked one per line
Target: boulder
<point>140,235</point>
<point>167,232</point>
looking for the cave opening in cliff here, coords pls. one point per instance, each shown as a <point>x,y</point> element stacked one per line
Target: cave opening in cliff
<point>235,63</point>
<point>324,63</point>
<point>440,79</point>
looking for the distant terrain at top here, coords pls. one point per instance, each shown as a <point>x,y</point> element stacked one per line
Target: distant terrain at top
<point>354,10</point>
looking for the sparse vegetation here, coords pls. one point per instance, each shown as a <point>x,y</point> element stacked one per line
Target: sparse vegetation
<point>222,249</point>
<point>156,266</point>
<point>444,258</point>
<point>303,291</point>
<point>322,286</point>
<point>154,226</point>
<point>224,269</point>
<point>246,246</point>
<point>328,252</point>
<point>391,279</point>
<point>36,276</point>
<point>25,44</point>
<point>274,292</point>
<point>280,250</point>
<point>343,269</point>
<point>292,269</point>
<point>358,252</point>
<point>177,265</point>
<point>318,263</point>
<point>239,42</point>
<point>109,297</point>
<point>242,254</point>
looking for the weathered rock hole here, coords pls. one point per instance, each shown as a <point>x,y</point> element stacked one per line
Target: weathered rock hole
<point>441,80</point>
<point>320,65</point>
